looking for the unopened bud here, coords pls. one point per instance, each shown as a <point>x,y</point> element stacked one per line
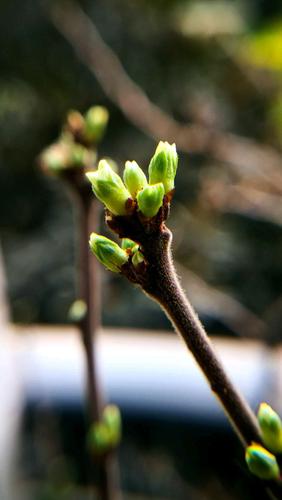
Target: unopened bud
<point>137,259</point>
<point>77,311</point>
<point>271,428</point>
<point>96,120</point>
<point>112,419</point>
<point>163,166</point>
<point>108,252</point>
<point>134,178</point>
<point>109,188</point>
<point>74,122</point>
<point>129,245</point>
<point>55,158</point>
<point>105,434</point>
<point>261,462</point>
<point>99,438</point>
<point>150,199</point>
<point>66,154</point>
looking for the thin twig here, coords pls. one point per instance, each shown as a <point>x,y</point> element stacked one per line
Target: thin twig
<point>89,292</point>
<point>158,279</point>
<point>242,198</point>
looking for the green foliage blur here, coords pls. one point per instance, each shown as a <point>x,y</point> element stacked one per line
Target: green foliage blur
<point>209,62</point>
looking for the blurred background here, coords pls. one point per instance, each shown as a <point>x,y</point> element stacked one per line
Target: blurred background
<point>206,74</point>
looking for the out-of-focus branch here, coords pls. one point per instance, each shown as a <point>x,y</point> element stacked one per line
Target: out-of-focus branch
<point>242,198</point>
<point>243,153</point>
<point>208,299</point>
<point>4,308</point>
<point>91,49</point>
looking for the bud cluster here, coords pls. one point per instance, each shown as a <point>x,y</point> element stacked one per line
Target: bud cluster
<point>76,146</point>
<point>132,194</point>
<point>89,128</point>
<point>262,462</point>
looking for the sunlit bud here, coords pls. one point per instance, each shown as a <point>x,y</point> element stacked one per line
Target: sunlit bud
<point>261,462</point>
<point>112,419</point>
<point>108,252</point>
<point>99,438</point>
<point>74,122</point>
<point>109,188</point>
<point>55,157</point>
<point>129,245</point>
<point>137,259</point>
<point>96,120</point>
<point>66,154</point>
<point>77,311</point>
<point>134,178</point>
<point>163,166</point>
<point>105,434</point>
<point>150,199</point>
<point>271,428</point>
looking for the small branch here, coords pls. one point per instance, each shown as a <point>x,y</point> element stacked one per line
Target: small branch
<point>243,198</point>
<point>160,282</point>
<point>158,279</point>
<point>87,209</point>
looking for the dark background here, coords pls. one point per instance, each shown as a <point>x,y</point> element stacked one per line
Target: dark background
<point>226,221</point>
<point>196,79</point>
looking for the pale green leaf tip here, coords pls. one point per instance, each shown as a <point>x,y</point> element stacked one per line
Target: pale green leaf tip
<point>137,258</point>
<point>134,178</point>
<point>109,188</point>
<point>150,199</point>
<point>109,253</point>
<point>271,428</point>
<point>104,435</point>
<point>261,462</point>
<point>127,244</point>
<point>77,310</point>
<point>163,165</point>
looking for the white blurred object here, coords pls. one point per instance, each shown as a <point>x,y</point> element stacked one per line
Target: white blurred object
<point>206,18</point>
<point>10,395</point>
<point>146,373</point>
<point>10,410</point>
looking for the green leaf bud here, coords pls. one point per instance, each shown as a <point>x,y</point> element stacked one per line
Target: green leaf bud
<point>99,438</point>
<point>108,252</point>
<point>55,158</point>
<point>66,154</point>
<point>271,428</point>
<point>77,311</point>
<point>134,178</point>
<point>109,188</point>
<point>129,245</point>
<point>96,120</point>
<point>74,123</point>
<point>150,199</point>
<point>111,416</point>
<point>261,462</point>
<point>137,258</point>
<point>163,166</point>
<point>112,419</point>
<point>105,434</point>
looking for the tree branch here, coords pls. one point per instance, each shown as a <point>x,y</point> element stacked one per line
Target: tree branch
<point>157,277</point>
